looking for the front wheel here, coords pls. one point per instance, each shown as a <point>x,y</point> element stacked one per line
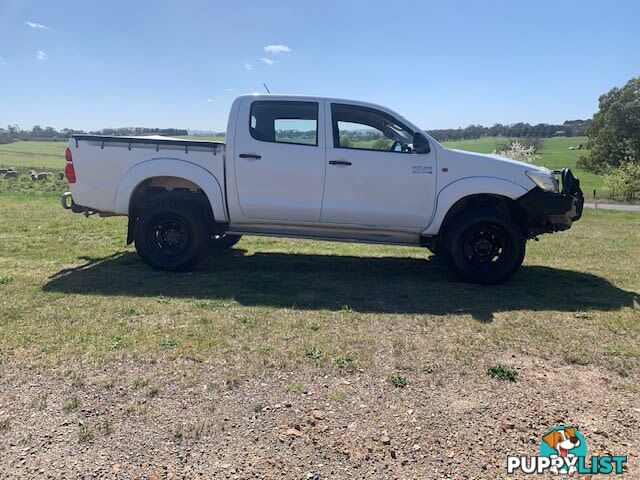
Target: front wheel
<point>484,246</point>
<point>171,235</point>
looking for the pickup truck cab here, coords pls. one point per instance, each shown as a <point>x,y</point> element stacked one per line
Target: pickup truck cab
<point>325,169</point>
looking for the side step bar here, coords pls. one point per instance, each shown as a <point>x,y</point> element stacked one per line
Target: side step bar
<point>312,236</point>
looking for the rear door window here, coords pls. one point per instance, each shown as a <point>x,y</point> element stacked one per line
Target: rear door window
<point>284,122</point>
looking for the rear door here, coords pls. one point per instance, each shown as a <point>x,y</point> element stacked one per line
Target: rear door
<point>374,178</point>
<point>280,159</point>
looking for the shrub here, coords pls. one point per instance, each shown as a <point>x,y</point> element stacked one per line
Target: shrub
<point>503,372</point>
<point>624,180</point>
<point>398,380</point>
<point>517,151</point>
<point>344,362</point>
<point>313,353</point>
<point>168,343</point>
<point>84,434</point>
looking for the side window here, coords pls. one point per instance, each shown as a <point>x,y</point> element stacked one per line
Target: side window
<point>284,122</point>
<point>368,129</point>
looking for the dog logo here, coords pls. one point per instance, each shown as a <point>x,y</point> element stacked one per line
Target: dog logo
<point>563,450</point>
<point>564,443</point>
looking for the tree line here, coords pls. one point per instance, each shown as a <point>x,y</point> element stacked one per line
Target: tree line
<point>569,128</point>
<point>13,132</point>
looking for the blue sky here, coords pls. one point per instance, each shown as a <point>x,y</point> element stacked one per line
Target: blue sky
<point>441,64</point>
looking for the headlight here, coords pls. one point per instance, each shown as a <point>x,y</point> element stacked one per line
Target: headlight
<point>546,182</point>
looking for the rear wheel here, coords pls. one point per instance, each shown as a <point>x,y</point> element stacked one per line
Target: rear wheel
<point>171,235</point>
<point>484,246</point>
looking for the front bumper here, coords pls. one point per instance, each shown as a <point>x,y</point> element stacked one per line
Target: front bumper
<point>546,212</point>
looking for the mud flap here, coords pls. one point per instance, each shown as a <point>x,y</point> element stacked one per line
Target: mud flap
<point>131,226</point>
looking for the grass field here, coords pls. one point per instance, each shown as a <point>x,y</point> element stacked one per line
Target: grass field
<point>555,151</point>
<point>39,155</point>
<point>283,297</point>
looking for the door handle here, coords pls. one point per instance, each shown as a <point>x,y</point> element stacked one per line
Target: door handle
<point>339,162</point>
<point>250,155</point>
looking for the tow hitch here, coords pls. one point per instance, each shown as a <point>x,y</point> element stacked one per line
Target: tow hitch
<point>68,204</point>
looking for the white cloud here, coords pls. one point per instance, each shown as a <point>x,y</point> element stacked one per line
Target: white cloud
<point>41,55</point>
<point>209,100</point>
<point>228,89</point>
<point>248,66</point>
<point>277,49</point>
<point>268,61</point>
<point>36,25</point>
<point>2,61</point>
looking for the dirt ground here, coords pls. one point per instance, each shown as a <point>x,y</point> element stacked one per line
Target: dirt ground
<point>189,420</point>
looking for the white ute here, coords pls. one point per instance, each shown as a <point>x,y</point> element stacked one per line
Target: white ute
<point>324,169</point>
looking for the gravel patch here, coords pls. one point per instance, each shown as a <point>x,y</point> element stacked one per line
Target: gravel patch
<point>187,419</point>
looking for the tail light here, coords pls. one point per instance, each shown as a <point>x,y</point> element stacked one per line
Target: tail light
<point>69,171</point>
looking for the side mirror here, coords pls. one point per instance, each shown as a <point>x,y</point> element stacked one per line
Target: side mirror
<point>420,143</point>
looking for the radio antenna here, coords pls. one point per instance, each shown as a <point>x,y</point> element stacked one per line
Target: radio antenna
<point>266,88</point>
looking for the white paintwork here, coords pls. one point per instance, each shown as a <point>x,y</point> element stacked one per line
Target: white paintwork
<point>465,187</point>
<point>107,176</point>
<point>286,183</point>
<point>167,167</point>
<point>293,190</point>
<point>469,173</point>
<point>379,189</point>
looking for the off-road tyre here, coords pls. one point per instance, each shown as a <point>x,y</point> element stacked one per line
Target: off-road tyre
<point>171,234</point>
<point>483,246</point>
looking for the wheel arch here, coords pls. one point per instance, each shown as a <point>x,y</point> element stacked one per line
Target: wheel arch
<point>180,171</point>
<point>471,192</point>
<point>168,175</point>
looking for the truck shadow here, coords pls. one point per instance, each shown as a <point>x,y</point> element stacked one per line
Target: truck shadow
<point>364,284</point>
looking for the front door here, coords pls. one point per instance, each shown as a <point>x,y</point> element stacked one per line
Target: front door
<point>373,177</point>
<point>280,160</point>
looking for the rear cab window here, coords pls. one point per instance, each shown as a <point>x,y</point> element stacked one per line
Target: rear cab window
<point>291,122</point>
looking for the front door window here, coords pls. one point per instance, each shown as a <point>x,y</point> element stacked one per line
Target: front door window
<point>365,128</point>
